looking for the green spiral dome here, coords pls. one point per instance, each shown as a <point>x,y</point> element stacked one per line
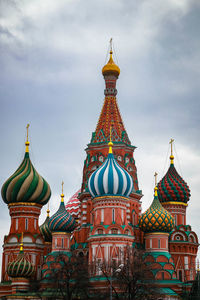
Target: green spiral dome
<point>45,231</point>
<point>156,218</point>
<point>26,185</point>
<point>20,267</point>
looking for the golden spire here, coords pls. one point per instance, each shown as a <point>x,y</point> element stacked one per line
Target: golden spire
<point>155,189</point>
<point>27,143</point>
<point>21,244</point>
<point>111,46</point>
<point>48,211</point>
<point>62,195</point>
<point>172,156</point>
<point>110,144</point>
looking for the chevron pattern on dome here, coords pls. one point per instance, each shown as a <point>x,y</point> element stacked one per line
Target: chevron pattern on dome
<point>20,267</point>
<point>45,231</point>
<point>110,179</point>
<point>26,185</point>
<point>156,218</point>
<point>62,220</point>
<point>73,205</point>
<point>172,187</point>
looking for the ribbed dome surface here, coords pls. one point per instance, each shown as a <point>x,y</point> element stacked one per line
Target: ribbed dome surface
<point>111,67</point>
<point>110,179</point>
<point>26,185</point>
<point>45,231</point>
<point>20,267</point>
<point>73,205</point>
<point>172,187</point>
<point>156,218</point>
<point>62,220</point>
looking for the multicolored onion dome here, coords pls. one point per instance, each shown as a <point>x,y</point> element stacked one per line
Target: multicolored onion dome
<point>111,67</point>
<point>45,231</point>
<point>20,267</point>
<point>62,221</point>
<point>156,218</point>
<point>26,185</point>
<point>172,187</point>
<point>110,179</point>
<point>73,205</point>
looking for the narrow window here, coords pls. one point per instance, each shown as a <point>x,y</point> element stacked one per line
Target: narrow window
<point>150,243</point>
<point>16,224</point>
<point>62,243</point>
<point>159,244</point>
<point>102,215</point>
<point>175,217</point>
<point>35,223</point>
<point>180,275</point>
<point>26,224</point>
<point>122,216</point>
<point>186,262</point>
<point>55,242</point>
<point>113,215</point>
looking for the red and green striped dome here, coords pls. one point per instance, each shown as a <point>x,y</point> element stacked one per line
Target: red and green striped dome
<point>172,187</point>
<point>20,267</point>
<point>156,218</point>
<point>26,185</point>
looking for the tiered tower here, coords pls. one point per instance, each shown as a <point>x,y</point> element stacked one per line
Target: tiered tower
<point>25,192</point>
<point>110,185</point>
<point>123,152</point>
<point>174,194</point>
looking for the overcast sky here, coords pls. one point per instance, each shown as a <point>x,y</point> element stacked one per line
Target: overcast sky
<point>51,55</point>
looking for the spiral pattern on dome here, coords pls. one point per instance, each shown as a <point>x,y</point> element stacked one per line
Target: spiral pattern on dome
<point>156,218</point>
<point>45,231</point>
<point>73,205</point>
<point>20,267</point>
<point>172,187</point>
<point>110,179</point>
<point>62,220</point>
<point>26,185</point>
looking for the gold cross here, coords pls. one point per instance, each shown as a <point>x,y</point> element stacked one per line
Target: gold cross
<point>155,175</point>
<point>171,142</point>
<point>27,126</point>
<point>110,133</point>
<point>111,44</point>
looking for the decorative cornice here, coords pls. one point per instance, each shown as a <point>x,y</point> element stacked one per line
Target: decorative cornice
<point>24,204</point>
<point>174,202</point>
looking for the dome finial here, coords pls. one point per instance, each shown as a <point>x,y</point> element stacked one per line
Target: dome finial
<point>172,156</point>
<point>62,195</point>
<point>155,189</point>
<point>110,144</point>
<point>21,244</point>
<point>111,46</point>
<point>48,211</point>
<point>27,143</point>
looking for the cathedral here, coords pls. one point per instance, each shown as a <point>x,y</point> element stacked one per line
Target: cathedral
<point>103,217</point>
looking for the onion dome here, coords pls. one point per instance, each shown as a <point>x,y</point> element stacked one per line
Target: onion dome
<point>111,68</point>
<point>110,178</point>
<point>26,185</point>
<point>73,205</point>
<point>156,218</point>
<point>62,221</point>
<point>44,229</point>
<point>172,187</point>
<point>21,266</point>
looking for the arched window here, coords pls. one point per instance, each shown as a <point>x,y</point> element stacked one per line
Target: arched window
<point>26,224</point>
<point>113,215</point>
<point>158,243</point>
<point>62,243</point>
<point>101,158</point>
<point>180,275</point>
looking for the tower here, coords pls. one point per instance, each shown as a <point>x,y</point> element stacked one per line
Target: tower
<point>96,151</point>
<point>174,194</point>
<point>25,192</point>
<point>110,185</point>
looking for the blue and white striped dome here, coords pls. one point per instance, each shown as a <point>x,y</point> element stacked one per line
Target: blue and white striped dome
<point>110,179</point>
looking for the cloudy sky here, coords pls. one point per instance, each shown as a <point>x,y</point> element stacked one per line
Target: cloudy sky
<point>51,55</point>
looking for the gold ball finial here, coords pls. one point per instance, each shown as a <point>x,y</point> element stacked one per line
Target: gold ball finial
<point>156,188</point>
<point>62,195</point>
<point>110,144</point>
<point>21,244</point>
<point>171,156</point>
<point>27,143</point>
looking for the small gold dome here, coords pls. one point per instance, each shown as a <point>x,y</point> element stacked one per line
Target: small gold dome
<point>111,67</point>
